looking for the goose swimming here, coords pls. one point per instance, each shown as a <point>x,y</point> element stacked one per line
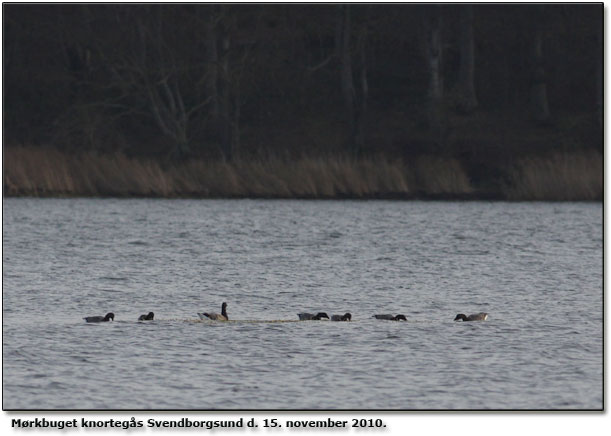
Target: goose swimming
<point>482,316</point>
<point>311,316</point>
<point>391,317</point>
<point>345,317</point>
<point>216,316</point>
<point>148,317</point>
<point>109,317</point>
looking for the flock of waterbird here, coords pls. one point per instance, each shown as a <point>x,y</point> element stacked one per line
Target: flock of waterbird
<point>482,316</point>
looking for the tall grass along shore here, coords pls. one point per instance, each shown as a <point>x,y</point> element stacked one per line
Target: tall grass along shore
<point>46,172</point>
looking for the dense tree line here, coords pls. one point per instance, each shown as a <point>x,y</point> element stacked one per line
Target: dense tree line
<point>239,80</point>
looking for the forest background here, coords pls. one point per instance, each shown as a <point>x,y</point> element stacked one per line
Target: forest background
<point>494,101</point>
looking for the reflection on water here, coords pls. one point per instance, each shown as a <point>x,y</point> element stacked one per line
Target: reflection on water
<point>535,268</point>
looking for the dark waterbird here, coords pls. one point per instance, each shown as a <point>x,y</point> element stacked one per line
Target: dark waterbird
<point>109,317</point>
<point>216,316</point>
<point>148,317</point>
<point>310,316</point>
<point>345,317</point>
<point>482,316</point>
<point>391,317</point>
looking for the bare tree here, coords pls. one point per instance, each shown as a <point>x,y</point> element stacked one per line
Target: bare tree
<point>539,101</point>
<point>433,50</point>
<point>355,97</point>
<point>235,57</point>
<point>152,78</point>
<point>467,98</point>
<point>229,55</point>
<point>540,106</point>
<point>599,74</point>
<point>211,23</point>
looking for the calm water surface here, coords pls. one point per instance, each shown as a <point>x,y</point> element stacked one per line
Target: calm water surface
<point>536,268</point>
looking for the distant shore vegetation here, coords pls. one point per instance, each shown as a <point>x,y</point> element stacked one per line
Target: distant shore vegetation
<point>432,101</point>
<point>48,172</point>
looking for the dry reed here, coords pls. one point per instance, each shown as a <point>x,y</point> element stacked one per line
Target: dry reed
<point>35,171</point>
<point>47,172</point>
<point>573,176</point>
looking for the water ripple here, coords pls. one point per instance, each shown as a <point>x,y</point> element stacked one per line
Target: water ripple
<point>536,268</point>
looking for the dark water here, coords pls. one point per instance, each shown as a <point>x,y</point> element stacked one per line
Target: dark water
<point>535,268</point>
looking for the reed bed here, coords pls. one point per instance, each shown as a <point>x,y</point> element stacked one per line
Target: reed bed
<point>46,172</point>
<point>30,171</point>
<point>573,176</point>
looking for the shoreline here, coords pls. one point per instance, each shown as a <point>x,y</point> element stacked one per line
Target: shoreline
<point>432,199</point>
<point>50,173</point>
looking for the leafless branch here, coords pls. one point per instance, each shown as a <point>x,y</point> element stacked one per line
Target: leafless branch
<point>322,64</point>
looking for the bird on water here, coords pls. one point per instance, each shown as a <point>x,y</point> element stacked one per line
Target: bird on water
<point>109,317</point>
<point>391,317</point>
<point>310,316</point>
<point>216,316</point>
<point>482,316</point>
<point>148,317</point>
